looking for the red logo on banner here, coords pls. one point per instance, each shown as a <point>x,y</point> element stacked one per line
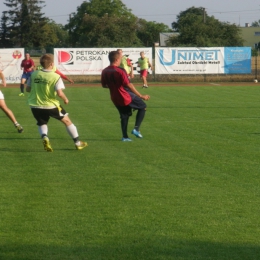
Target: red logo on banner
<point>17,55</point>
<point>65,57</point>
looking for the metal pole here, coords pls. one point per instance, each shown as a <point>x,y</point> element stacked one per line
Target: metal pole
<point>256,57</point>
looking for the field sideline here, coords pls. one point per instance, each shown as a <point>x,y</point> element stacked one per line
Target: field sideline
<point>188,190</point>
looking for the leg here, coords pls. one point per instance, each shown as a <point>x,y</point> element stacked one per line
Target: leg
<point>138,104</point>
<point>125,113</point>
<point>144,80</point>
<point>139,118</point>
<point>10,115</point>
<point>23,80</point>
<point>7,111</point>
<point>144,76</point>
<point>73,132</point>
<point>42,117</point>
<point>124,124</point>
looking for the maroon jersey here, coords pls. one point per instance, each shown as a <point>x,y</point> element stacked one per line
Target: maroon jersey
<point>115,79</point>
<point>27,64</point>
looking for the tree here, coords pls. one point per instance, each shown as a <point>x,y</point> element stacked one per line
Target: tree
<point>148,32</point>
<point>99,23</point>
<point>256,23</point>
<point>4,33</point>
<point>55,35</point>
<point>25,22</point>
<point>197,29</point>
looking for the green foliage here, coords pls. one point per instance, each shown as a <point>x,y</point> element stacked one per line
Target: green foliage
<point>56,34</point>
<point>149,32</point>
<point>188,190</point>
<point>255,24</point>
<point>200,30</point>
<point>25,22</point>
<point>109,23</point>
<point>5,41</point>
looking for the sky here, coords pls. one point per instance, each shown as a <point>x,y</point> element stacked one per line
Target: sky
<point>239,12</point>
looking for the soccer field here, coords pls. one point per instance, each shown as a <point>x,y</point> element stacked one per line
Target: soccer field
<point>188,190</point>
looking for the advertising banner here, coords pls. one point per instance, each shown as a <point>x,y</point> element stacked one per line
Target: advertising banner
<point>218,60</point>
<point>10,64</point>
<point>91,61</point>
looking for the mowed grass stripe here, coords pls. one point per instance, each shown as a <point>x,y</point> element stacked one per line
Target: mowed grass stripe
<point>188,190</point>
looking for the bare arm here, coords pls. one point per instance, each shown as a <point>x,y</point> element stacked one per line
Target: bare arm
<point>61,94</point>
<point>150,65</point>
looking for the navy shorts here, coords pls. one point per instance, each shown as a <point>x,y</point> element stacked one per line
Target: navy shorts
<point>136,104</point>
<point>43,115</point>
<point>27,75</point>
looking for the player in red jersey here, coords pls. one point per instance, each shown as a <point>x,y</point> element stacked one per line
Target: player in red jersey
<point>124,95</point>
<point>27,66</point>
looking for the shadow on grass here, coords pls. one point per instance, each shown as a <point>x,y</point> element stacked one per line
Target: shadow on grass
<point>134,250</point>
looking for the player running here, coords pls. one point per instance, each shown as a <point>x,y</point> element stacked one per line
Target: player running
<point>5,109</point>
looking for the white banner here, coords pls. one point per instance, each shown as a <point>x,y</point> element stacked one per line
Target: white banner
<point>217,60</point>
<point>91,61</point>
<point>189,60</point>
<point>10,64</point>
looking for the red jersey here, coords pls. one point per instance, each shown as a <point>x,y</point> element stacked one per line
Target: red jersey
<point>27,64</point>
<point>115,79</point>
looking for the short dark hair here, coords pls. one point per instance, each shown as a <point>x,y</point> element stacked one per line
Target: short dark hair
<point>113,56</point>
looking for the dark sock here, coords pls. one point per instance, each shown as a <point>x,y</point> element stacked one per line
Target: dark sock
<point>76,139</point>
<point>139,118</point>
<point>124,123</point>
<point>22,88</point>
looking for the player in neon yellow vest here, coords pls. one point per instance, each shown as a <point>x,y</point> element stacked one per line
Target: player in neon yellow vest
<point>126,64</point>
<point>144,65</point>
<point>43,86</point>
<point>39,67</point>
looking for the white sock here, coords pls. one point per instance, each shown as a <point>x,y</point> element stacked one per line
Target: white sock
<point>43,130</point>
<point>72,130</point>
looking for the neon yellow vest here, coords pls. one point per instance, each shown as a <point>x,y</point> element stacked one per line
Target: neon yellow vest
<point>43,92</point>
<point>124,65</point>
<point>144,64</point>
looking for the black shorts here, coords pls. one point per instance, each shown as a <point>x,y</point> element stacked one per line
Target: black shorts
<point>136,104</point>
<point>43,115</point>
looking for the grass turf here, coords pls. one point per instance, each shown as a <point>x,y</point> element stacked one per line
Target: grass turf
<point>188,190</point>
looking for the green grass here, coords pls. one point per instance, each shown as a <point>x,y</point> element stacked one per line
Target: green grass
<point>188,190</point>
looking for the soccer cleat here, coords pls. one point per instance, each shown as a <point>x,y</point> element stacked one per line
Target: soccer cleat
<point>81,145</point>
<point>19,128</point>
<point>126,140</point>
<point>137,133</point>
<point>47,144</point>
<point>21,95</point>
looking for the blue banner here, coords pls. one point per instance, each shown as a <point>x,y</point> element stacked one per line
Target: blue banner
<point>237,60</point>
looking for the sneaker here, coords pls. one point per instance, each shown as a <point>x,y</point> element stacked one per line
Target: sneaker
<point>19,128</point>
<point>21,95</point>
<point>81,145</point>
<point>145,86</point>
<point>137,133</point>
<point>47,144</point>
<point>126,139</point>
